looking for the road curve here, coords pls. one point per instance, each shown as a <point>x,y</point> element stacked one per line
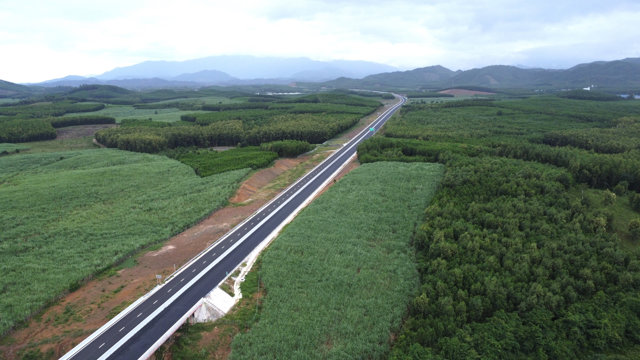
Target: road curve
<point>142,326</point>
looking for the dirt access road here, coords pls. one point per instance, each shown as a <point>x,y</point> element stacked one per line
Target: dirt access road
<point>76,315</point>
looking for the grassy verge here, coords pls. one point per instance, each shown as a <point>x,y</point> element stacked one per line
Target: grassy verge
<point>68,215</point>
<point>339,277</point>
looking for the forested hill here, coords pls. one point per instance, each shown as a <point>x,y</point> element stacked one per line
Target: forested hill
<point>9,89</point>
<point>619,74</point>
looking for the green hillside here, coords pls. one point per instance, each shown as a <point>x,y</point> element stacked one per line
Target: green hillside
<point>607,75</point>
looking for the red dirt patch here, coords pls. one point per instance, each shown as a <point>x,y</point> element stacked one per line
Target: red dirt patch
<point>464,92</point>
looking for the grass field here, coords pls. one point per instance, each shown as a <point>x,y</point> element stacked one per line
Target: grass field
<point>8,148</point>
<point>56,145</point>
<point>120,112</point>
<point>67,215</point>
<point>339,277</point>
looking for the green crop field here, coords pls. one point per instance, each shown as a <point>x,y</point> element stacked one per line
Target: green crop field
<point>120,112</point>
<point>68,215</point>
<point>8,148</point>
<point>339,277</point>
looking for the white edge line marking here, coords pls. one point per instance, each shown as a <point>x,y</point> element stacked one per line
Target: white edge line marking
<point>171,330</point>
<point>131,307</point>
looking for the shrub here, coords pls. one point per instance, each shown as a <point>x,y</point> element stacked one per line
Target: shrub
<point>634,229</point>
<point>287,148</point>
<point>147,143</point>
<point>23,130</point>
<point>81,120</point>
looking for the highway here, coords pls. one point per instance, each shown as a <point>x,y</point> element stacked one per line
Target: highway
<point>139,329</point>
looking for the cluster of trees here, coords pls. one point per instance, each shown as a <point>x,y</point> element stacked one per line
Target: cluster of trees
<point>336,98</point>
<point>597,170</point>
<point>235,106</point>
<point>48,109</point>
<point>518,258</point>
<point>589,95</point>
<point>256,116</point>
<point>154,139</point>
<point>312,119</point>
<point>426,94</point>
<point>27,121</point>
<point>81,120</point>
<point>148,123</point>
<point>409,150</point>
<point>623,137</point>
<point>23,130</point>
<point>287,148</point>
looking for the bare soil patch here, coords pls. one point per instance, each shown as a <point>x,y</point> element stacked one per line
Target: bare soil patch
<point>464,92</point>
<point>79,131</point>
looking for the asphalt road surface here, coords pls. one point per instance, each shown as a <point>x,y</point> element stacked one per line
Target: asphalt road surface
<point>138,328</point>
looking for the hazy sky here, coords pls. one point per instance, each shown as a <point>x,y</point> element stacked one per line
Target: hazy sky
<point>44,39</point>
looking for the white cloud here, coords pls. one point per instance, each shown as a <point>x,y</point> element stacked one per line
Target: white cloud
<point>43,39</point>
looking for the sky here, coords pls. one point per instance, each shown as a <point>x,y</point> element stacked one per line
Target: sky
<point>44,39</point>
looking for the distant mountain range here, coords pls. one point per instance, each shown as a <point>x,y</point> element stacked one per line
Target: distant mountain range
<point>225,70</point>
<point>618,75</point>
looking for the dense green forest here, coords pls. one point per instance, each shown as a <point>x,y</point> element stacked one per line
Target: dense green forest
<point>530,248</point>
